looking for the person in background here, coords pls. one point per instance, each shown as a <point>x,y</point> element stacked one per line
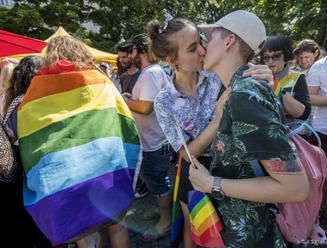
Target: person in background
<point>130,72</point>
<point>7,68</point>
<point>155,163</point>
<point>317,80</point>
<point>127,80</point>
<point>322,52</point>
<point>306,52</point>
<point>110,72</point>
<point>95,152</point>
<point>251,128</point>
<point>293,89</point>
<point>20,229</point>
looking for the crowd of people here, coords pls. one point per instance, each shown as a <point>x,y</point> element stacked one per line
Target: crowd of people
<point>231,108</point>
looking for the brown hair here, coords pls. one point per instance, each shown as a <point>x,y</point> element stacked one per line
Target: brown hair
<point>22,77</point>
<point>162,45</point>
<point>246,52</point>
<point>70,49</point>
<point>307,45</point>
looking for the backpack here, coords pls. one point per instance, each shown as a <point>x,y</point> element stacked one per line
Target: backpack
<point>296,221</point>
<point>9,167</point>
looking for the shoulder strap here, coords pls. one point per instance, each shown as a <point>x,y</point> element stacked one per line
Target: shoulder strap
<point>301,125</point>
<point>258,171</point>
<point>11,108</point>
<point>256,168</point>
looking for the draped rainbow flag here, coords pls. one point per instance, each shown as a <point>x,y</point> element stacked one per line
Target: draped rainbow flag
<point>205,223</point>
<point>177,224</point>
<point>288,81</point>
<point>80,150</point>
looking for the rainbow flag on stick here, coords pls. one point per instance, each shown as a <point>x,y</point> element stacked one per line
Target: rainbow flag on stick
<point>205,223</point>
<point>80,150</point>
<point>176,234</point>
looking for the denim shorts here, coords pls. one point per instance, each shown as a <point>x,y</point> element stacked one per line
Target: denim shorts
<point>154,171</point>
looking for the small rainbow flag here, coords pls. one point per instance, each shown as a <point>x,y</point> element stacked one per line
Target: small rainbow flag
<point>80,150</point>
<point>205,223</point>
<point>176,234</point>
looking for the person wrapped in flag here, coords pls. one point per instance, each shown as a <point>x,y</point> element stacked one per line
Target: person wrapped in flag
<point>79,146</point>
<point>192,96</point>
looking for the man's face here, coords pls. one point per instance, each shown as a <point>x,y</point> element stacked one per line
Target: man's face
<point>306,59</point>
<point>124,60</point>
<point>214,50</point>
<point>135,57</point>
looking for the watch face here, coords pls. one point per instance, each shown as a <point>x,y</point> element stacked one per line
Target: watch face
<point>217,194</point>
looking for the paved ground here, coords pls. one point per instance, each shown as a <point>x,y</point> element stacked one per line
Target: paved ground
<point>134,219</point>
<point>138,225</point>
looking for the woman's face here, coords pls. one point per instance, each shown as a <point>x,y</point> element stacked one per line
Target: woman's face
<point>190,50</point>
<point>275,60</point>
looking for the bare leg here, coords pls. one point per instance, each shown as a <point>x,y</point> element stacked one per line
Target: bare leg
<point>188,243</point>
<point>119,236</point>
<point>81,243</point>
<point>164,206</point>
<point>102,233</point>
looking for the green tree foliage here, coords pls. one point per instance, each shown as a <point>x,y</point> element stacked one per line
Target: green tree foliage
<point>296,19</point>
<point>39,19</point>
<point>23,20</point>
<point>122,19</point>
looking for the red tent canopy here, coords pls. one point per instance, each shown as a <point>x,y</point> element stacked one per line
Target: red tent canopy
<point>11,44</point>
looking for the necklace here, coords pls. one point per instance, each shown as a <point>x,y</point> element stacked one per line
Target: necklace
<point>186,91</point>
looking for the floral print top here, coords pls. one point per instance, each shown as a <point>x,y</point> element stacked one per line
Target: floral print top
<point>193,115</point>
<point>251,128</point>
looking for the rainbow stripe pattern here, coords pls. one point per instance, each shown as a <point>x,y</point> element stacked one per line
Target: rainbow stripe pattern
<point>80,150</point>
<point>288,81</point>
<point>205,223</point>
<point>176,234</point>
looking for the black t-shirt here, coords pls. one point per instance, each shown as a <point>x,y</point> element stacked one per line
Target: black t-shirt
<point>302,95</point>
<point>128,81</point>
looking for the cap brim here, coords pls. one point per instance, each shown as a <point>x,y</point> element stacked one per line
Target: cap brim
<point>128,44</point>
<point>207,29</point>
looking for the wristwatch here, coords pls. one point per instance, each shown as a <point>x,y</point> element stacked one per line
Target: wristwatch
<point>216,191</point>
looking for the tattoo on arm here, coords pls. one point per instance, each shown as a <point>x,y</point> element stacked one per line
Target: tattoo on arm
<point>274,166</point>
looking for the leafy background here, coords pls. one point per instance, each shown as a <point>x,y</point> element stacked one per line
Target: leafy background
<point>122,19</point>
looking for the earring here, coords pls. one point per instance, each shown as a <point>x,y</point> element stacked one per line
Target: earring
<point>176,67</point>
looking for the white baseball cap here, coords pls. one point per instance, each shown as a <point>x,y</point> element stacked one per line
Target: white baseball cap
<point>244,24</point>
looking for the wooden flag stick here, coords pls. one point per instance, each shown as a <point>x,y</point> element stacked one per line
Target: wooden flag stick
<point>184,143</point>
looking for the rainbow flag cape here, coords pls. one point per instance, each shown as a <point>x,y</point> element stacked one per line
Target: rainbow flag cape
<point>205,223</point>
<point>80,150</point>
<point>288,81</point>
<point>177,224</point>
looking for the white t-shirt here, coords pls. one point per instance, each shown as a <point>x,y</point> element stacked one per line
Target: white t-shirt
<point>318,77</point>
<point>151,80</point>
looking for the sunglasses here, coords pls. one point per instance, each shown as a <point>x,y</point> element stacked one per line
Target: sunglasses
<point>274,57</point>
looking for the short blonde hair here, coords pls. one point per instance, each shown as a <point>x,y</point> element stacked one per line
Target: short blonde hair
<point>70,49</point>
